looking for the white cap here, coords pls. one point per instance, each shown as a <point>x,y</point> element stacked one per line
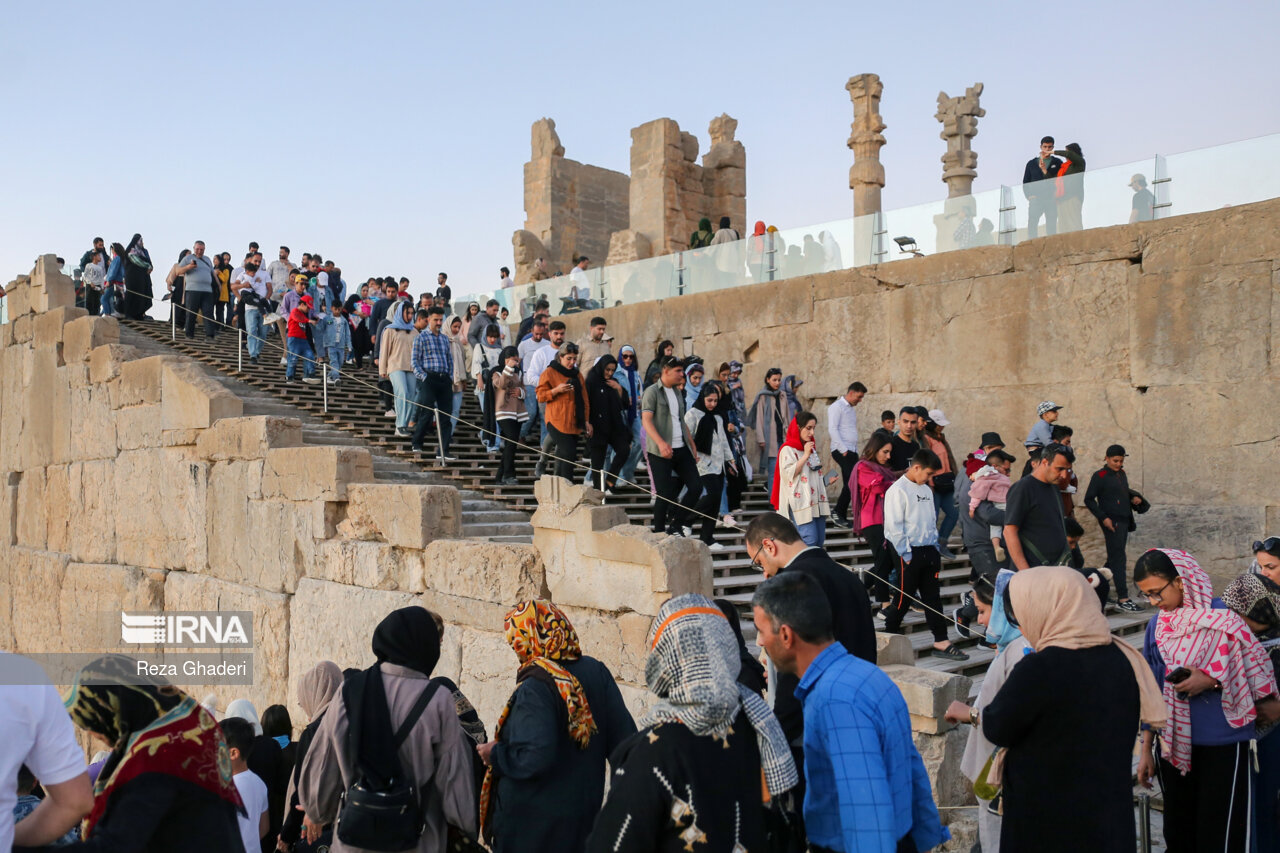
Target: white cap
<point>938,417</point>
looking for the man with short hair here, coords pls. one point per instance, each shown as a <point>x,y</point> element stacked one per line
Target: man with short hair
<point>673,460</point>
<point>197,291</point>
<point>93,298</point>
<point>444,291</point>
<point>1062,435</point>
<point>1039,186</point>
<point>252,287</point>
<point>906,441</point>
<point>433,367</point>
<point>526,349</point>
<point>1033,530</point>
<point>541,307</point>
<point>539,362</point>
<point>842,425</point>
<point>1144,202</point>
<point>911,528</point>
<point>504,278</point>
<point>975,460</point>
<point>594,344</point>
<point>1111,502</point>
<point>475,334</point>
<point>580,290</point>
<point>865,785</point>
<point>279,270</point>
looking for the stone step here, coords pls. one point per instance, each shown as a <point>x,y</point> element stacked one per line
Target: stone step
<point>504,529</point>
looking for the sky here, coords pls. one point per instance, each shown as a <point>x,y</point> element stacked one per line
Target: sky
<point>391,136</point>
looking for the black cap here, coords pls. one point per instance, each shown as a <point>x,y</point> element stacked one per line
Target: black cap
<point>997,453</point>
<point>1115,450</point>
<point>922,413</point>
<point>990,438</point>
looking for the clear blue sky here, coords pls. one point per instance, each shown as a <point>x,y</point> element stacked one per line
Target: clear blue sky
<point>391,135</point>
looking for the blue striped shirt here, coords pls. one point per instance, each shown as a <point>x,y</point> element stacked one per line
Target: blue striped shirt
<point>431,354</point>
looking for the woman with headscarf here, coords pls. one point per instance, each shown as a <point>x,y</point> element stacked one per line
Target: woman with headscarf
<point>356,737</point>
<point>353,309</point>
<point>1217,680</point>
<point>694,373</point>
<point>799,492</point>
<point>278,726</point>
<point>568,410</point>
<point>137,279</point>
<point>473,311</point>
<point>453,328</point>
<point>757,259</point>
<point>701,238</point>
<point>175,282</point>
<point>752,675</point>
<point>395,362</point>
<point>766,417</point>
<point>628,376</point>
<point>1066,718</point>
<point>485,361</point>
<point>831,259</point>
<point>653,372</point>
<point>706,422</point>
<point>167,784</point>
<point>316,687</point>
<point>546,775</point>
<point>790,385</point>
<point>609,429</point>
<point>870,480</point>
<point>709,757</point>
<point>509,410</point>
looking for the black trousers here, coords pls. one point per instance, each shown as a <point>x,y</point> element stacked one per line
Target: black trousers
<point>882,565</point>
<point>199,301</point>
<point>1209,808</point>
<point>736,484</point>
<point>434,392</point>
<point>566,451</point>
<point>668,476</point>
<point>509,429</point>
<point>846,461</point>
<point>386,395</point>
<point>708,506</point>
<point>620,441</point>
<point>1117,541</point>
<point>918,578</point>
<point>220,311</point>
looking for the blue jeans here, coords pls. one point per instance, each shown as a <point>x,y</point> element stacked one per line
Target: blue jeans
<point>770,465</point>
<point>628,472</point>
<point>813,533</point>
<point>406,391</point>
<point>530,406</point>
<point>300,347</point>
<point>335,361</point>
<point>108,300</point>
<point>253,325</point>
<point>457,404</point>
<point>946,501</point>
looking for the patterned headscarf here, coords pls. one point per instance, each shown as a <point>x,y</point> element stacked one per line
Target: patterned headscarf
<point>1257,597</point>
<point>542,636</point>
<point>153,727</point>
<point>1216,641</point>
<point>693,669</point>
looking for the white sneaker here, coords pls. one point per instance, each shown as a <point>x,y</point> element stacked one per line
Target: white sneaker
<point>389,413</point>
<point>311,380</point>
<point>688,531</point>
<point>715,546</point>
<point>448,458</point>
<point>730,521</point>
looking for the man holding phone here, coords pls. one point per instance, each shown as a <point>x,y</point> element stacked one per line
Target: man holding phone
<point>197,294</point>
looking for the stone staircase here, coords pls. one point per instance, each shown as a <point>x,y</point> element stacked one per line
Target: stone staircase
<point>354,416</point>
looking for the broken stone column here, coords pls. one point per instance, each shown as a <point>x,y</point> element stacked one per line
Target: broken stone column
<point>866,177</point>
<point>959,117</point>
<point>724,176</point>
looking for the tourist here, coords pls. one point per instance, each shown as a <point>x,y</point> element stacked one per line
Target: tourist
<point>1033,531</point>
<point>395,362</point>
<point>737,392</point>
<point>981,543</point>
<point>701,238</point>
<point>504,325</point>
<point>671,457</point>
<point>595,344</point>
<point>197,291</point>
<point>479,326</point>
<point>706,423</point>
<point>906,441</point>
<point>541,359</point>
<point>562,388</point>
<point>757,260</point>
<point>1144,201</point>
<point>254,823</point>
<point>509,411</point>
<point>546,762</point>
<point>458,350</point>
<point>736,474</point>
<point>628,376</point>
<point>168,784</point>
<point>579,286</point>
<point>299,319</point>
<point>355,739</point>
<point>381,310</point>
<point>1217,680</point>
<point>799,491</point>
<point>93,270</point>
<point>113,293</point>
<point>790,386</point>
<point>888,423</point>
<point>911,528</point>
<point>654,370</point>
<point>315,688</point>
<point>356,310</point>
<point>432,365</point>
<point>728,260</point>
<point>484,361</point>
<point>1062,744</point>
<point>944,482</point>
<point>693,375</point>
<point>265,756</point>
<point>752,674</point>
<point>280,270</point>
<point>767,419</point>
<point>609,430</point>
<point>222,291</point>
<point>526,349</point>
<point>1069,188</point>
<point>865,785</point>
<point>174,284</point>
<point>1041,434</point>
<point>1038,187</point>
<point>504,279</point>
<point>868,484</point>
<point>28,802</point>
<point>540,308</point>
<point>842,424</point>
<point>137,279</point>
<point>991,483</point>
<point>1111,502</point>
<point>691,777</point>
<point>333,338</point>
<point>1062,434</point>
<point>36,732</point>
<point>831,259</point>
<point>444,291</point>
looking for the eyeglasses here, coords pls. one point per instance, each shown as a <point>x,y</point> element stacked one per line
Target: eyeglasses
<point>1268,544</point>
<point>755,561</point>
<point>1157,596</point>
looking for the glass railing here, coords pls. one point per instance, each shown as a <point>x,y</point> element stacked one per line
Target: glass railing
<point>1193,182</point>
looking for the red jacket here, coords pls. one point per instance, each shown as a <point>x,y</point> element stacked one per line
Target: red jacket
<point>298,319</point>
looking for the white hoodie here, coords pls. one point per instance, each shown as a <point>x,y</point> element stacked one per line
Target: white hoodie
<point>910,518</point>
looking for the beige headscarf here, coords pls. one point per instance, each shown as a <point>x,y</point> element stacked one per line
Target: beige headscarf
<point>1055,606</point>
<point>317,686</point>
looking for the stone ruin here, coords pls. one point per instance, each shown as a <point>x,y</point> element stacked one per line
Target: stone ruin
<point>866,176</point>
<point>959,117</point>
<point>574,209</point>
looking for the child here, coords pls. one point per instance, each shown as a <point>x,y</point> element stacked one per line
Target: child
<point>333,336</point>
<point>991,483</point>
<point>1042,432</point>
<point>888,421</point>
<point>27,802</point>
<point>253,791</point>
<point>94,277</point>
<point>299,319</point>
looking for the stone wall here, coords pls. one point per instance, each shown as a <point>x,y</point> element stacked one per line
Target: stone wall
<point>1161,336</point>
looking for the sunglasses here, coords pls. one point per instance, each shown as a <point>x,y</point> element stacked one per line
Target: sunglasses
<point>1269,544</point>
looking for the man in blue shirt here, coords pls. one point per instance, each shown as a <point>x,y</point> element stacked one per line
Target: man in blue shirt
<point>433,366</point>
<point>865,785</point>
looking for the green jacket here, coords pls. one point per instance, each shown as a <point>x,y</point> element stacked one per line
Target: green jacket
<point>655,400</point>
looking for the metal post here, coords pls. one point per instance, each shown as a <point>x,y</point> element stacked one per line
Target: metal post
<point>1160,187</point>
<point>239,350</point>
<point>173,322</point>
<point>324,384</point>
<point>440,431</point>
<point>679,273</point>
<point>879,229</point>
<point>1008,216</point>
<point>773,252</point>
<point>1144,823</point>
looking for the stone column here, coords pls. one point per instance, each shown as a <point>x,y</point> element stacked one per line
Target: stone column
<point>866,177</point>
<point>959,117</point>
<point>725,176</point>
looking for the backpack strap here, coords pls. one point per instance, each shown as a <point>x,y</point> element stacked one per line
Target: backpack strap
<point>402,734</point>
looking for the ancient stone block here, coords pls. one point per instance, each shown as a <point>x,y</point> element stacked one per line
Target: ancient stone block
<point>93,594</point>
<point>315,472</point>
<point>23,329</point>
<point>248,437</point>
<point>192,400</point>
<point>141,380</point>
<point>105,361</point>
<point>942,754</point>
<point>86,333</point>
<point>947,266</point>
<point>1119,242</point>
<point>93,425</point>
<point>616,640</point>
<point>51,288</point>
<point>894,649</point>
<point>179,437</point>
<point>488,670</point>
<point>408,515</point>
<point>32,526</point>
<point>18,299</point>
<point>49,327</point>
<point>138,426</point>
<point>1218,536</point>
<point>486,570</point>
<point>374,565</point>
<point>166,492</point>
<point>485,613</point>
<point>928,692</point>
<point>1212,238</point>
<point>35,576</point>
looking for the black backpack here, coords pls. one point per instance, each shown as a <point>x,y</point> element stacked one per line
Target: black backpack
<point>390,818</point>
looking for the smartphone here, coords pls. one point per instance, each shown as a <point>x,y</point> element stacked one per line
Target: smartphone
<point>1178,676</point>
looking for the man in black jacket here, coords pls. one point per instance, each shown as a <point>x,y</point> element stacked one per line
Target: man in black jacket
<point>1109,499</point>
<point>1038,186</point>
<point>775,547</point>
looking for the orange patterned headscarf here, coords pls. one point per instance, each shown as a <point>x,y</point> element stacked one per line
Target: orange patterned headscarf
<point>542,636</point>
